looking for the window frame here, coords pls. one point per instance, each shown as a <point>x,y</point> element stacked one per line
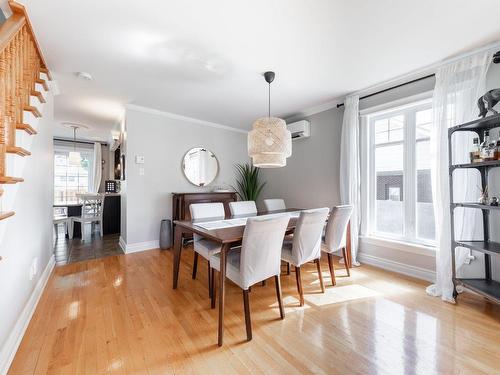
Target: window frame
<point>65,149</point>
<point>410,189</point>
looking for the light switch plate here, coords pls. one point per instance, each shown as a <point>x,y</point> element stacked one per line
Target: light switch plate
<point>139,159</point>
<point>141,171</point>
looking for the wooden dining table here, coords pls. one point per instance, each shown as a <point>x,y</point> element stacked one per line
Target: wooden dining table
<point>227,237</point>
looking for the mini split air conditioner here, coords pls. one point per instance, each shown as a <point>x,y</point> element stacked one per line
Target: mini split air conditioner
<point>300,129</point>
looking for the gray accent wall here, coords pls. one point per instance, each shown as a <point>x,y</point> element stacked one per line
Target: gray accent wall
<point>163,141</point>
<point>311,179</point>
<point>311,176</point>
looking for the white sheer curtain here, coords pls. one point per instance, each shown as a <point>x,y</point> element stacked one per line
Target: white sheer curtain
<point>458,87</point>
<point>97,168</point>
<point>349,167</point>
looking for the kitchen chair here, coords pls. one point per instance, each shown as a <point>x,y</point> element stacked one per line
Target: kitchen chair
<point>242,208</point>
<point>257,260</point>
<point>92,209</point>
<point>60,217</point>
<point>335,237</point>
<point>274,204</point>
<point>203,246</point>
<point>306,245</point>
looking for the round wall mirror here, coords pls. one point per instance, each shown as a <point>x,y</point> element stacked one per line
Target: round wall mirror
<point>200,166</point>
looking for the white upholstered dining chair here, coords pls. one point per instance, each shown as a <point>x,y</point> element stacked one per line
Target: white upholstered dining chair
<point>335,237</point>
<point>306,244</point>
<point>92,209</point>
<point>203,246</point>
<point>257,260</point>
<point>242,208</point>
<point>274,204</point>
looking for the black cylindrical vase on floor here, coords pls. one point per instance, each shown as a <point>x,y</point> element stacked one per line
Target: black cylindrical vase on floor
<point>165,234</point>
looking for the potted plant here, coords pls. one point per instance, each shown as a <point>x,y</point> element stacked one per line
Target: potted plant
<point>248,185</point>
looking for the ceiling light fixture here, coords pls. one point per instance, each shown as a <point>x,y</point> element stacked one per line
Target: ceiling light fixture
<point>269,142</point>
<point>75,159</point>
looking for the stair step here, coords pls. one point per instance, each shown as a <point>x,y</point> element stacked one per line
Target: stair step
<point>10,180</point>
<point>43,83</point>
<point>39,95</point>
<point>27,128</point>
<point>46,72</point>
<point>32,109</point>
<point>17,150</point>
<point>5,215</point>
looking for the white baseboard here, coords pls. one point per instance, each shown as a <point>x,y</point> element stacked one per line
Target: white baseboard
<point>405,269</point>
<point>12,343</point>
<point>138,246</point>
<point>122,244</point>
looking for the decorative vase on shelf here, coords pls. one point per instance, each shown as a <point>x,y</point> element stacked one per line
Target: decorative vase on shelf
<point>483,198</point>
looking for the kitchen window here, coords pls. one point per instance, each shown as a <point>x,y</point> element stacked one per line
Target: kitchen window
<point>69,179</point>
<point>399,174</point>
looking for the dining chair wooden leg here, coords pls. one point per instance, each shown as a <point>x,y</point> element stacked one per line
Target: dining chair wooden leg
<point>332,270</point>
<point>212,297</point>
<point>287,268</point>
<point>299,285</point>
<point>320,276</point>
<point>277,283</point>
<point>346,262</point>
<point>248,322</point>
<point>195,265</point>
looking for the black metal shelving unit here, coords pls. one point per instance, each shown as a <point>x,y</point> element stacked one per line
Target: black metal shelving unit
<point>487,286</point>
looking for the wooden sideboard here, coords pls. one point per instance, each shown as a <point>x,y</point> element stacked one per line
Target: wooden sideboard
<point>182,201</point>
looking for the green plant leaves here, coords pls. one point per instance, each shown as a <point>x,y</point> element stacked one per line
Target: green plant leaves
<point>248,185</point>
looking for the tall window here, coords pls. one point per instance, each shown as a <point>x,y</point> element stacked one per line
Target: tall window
<point>400,197</point>
<point>70,180</point>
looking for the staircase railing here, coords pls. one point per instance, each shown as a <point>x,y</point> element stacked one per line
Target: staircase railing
<point>21,66</point>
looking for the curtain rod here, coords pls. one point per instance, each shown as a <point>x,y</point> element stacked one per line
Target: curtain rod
<point>392,88</point>
<point>77,141</point>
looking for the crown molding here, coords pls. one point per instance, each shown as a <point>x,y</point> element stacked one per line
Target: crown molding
<point>314,109</point>
<point>175,116</point>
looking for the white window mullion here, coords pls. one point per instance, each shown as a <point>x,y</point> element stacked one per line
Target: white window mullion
<point>372,195</point>
<point>409,175</point>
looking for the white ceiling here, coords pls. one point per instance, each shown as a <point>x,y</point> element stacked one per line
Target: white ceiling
<point>204,59</point>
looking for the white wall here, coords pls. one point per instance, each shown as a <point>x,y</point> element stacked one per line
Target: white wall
<point>25,237</point>
<point>163,140</point>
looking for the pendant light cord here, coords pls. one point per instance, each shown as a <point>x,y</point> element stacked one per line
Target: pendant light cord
<point>269,102</point>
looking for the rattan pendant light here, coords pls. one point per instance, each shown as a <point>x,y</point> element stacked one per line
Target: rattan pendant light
<point>269,142</point>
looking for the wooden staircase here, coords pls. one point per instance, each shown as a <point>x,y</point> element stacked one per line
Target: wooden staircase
<point>21,68</point>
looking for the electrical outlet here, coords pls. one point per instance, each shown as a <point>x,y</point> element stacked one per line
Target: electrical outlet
<point>141,171</point>
<point>34,268</point>
<point>139,159</point>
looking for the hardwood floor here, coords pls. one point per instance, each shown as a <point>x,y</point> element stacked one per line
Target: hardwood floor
<point>119,314</point>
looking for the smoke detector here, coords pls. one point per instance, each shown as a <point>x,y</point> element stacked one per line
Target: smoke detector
<point>84,75</point>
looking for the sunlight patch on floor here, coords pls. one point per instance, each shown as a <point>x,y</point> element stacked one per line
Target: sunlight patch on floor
<point>339,294</point>
<point>291,304</point>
